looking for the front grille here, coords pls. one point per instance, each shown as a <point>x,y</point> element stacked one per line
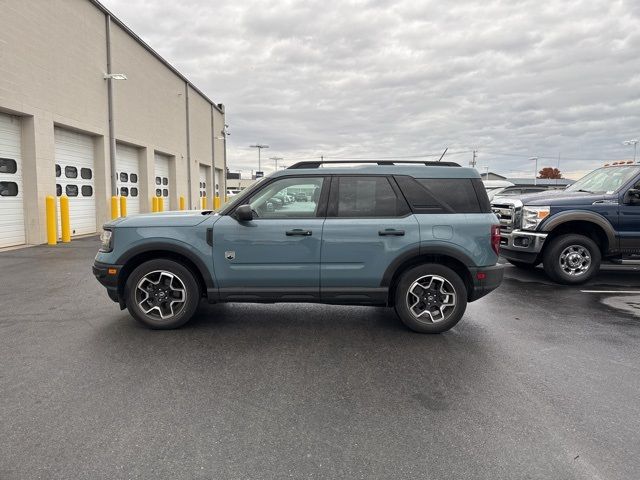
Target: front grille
<point>506,214</point>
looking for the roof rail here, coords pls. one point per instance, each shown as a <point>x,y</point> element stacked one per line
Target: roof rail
<point>317,163</point>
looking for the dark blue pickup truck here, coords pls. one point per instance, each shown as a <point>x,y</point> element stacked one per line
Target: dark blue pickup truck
<point>570,231</point>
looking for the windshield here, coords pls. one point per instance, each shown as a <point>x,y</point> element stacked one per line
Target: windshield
<point>605,180</point>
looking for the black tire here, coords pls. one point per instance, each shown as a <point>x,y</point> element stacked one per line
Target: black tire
<point>523,265</point>
<point>451,316</point>
<point>559,268</point>
<point>183,310</point>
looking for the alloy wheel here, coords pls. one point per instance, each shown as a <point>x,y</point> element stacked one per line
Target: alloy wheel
<point>431,298</point>
<point>161,294</point>
<point>575,260</point>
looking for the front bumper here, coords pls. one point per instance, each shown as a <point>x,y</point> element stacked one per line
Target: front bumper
<point>107,275</point>
<point>521,245</point>
<point>485,280</point>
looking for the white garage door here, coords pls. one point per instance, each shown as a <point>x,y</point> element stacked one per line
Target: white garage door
<point>75,178</point>
<point>128,176</point>
<point>203,184</point>
<point>162,178</point>
<point>11,194</point>
<point>217,172</point>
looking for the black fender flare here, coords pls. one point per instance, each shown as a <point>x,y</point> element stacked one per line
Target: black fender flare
<point>583,216</point>
<point>418,251</point>
<point>159,246</point>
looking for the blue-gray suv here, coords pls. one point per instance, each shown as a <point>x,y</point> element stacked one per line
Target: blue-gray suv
<point>418,236</point>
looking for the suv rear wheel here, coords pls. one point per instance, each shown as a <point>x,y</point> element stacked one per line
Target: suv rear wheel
<point>162,294</point>
<point>430,298</point>
<point>572,259</point>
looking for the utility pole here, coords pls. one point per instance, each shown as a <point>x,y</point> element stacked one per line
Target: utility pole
<point>535,175</point>
<point>275,159</point>
<point>473,160</point>
<point>259,146</point>
<point>633,142</point>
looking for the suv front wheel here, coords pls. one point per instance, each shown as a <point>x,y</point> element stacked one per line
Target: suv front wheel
<point>430,298</point>
<point>162,294</point>
<point>572,259</point>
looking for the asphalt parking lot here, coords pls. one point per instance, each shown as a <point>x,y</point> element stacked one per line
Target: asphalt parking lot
<point>537,381</point>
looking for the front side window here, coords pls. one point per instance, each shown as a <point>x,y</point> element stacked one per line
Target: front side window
<point>367,197</point>
<point>277,199</point>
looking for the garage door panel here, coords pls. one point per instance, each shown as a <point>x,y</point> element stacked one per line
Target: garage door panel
<point>161,184</point>
<point>12,225</point>
<point>75,177</point>
<point>128,176</point>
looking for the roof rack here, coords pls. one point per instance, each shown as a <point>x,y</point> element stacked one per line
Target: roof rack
<point>317,163</point>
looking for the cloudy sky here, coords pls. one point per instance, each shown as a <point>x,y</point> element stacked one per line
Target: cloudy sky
<point>369,79</point>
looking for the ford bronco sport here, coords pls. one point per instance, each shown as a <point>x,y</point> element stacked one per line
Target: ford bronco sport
<point>569,231</point>
<point>418,236</point>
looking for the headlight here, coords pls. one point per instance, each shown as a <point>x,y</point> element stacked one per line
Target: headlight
<point>105,240</point>
<point>533,216</point>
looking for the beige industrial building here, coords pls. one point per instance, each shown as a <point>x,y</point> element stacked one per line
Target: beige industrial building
<point>72,124</point>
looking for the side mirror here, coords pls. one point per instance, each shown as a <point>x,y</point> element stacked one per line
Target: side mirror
<point>244,213</point>
<point>632,195</point>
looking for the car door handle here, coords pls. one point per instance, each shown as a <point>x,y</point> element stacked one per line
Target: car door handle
<point>298,232</point>
<point>391,232</point>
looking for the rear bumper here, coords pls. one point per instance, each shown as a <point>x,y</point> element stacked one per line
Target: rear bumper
<point>485,280</point>
<point>107,275</point>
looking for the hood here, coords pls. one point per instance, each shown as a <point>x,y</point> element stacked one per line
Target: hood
<point>178,218</point>
<point>560,198</point>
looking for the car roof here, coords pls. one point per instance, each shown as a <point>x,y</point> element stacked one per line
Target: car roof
<point>417,171</point>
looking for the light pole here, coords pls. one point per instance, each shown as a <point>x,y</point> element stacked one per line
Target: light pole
<point>535,174</point>
<point>633,142</point>
<point>259,146</point>
<point>275,159</point>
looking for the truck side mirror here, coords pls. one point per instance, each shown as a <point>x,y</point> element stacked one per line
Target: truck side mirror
<point>633,195</point>
<point>244,213</point>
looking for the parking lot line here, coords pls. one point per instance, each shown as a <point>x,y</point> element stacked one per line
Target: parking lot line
<point>610,291</point>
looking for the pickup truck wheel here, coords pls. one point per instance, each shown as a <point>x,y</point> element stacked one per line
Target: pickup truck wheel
<point>430,298</point>
<point>162,294</point>
<point>572,259</point>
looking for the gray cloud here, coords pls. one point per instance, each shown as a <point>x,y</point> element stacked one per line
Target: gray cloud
<point>383,78</point>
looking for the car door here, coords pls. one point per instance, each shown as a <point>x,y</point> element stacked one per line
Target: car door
<point>368,225</point>
<point>276,255</point>
<point>629,221</point>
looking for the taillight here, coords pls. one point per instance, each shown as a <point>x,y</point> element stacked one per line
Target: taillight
<point>495,238</point>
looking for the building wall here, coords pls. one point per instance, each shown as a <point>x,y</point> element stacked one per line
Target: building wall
<point>53,56</point>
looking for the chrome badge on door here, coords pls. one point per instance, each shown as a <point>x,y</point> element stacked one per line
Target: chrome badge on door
<point>230,255</point>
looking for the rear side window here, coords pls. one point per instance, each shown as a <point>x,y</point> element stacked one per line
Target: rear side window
<point>445,195</point>
<point>457,193</point>
<point>368,197</point>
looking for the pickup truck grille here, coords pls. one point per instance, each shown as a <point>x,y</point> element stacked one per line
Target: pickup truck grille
<point>507,215</point>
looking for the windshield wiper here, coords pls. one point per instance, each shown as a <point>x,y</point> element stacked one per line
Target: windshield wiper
<point>583,190</point>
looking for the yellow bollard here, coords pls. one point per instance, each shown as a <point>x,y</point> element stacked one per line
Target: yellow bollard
<point>182,207</point>
<point>65,221</point>
<point>154,204</point>
<point>50,204</point>
<point>216,202</point>
<point>160,204</point>
<point>114,207</point>
<point>123,206</point>
<point>203,202</point>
